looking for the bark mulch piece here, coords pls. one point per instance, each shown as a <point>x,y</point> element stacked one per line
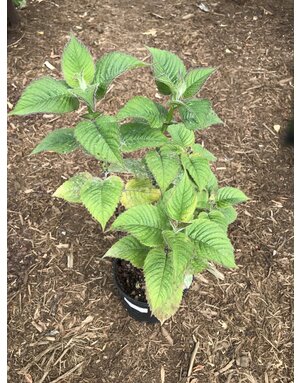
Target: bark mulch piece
<point>66,323</point>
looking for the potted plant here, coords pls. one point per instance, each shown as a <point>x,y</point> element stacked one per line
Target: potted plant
<point>176,216</point>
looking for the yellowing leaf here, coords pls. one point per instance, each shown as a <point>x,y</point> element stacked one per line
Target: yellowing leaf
<point>138,192</point>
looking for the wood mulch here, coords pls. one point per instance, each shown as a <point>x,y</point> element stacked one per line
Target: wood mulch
<point>66,323</point>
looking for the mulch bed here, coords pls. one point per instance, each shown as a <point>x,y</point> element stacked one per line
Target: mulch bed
<point>66,323</point>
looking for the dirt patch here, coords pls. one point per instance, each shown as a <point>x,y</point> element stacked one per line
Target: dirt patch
<point>66,324</point>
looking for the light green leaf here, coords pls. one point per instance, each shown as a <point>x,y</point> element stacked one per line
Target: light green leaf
<point>144,222</point>
<point>169,70</point>
<point>182,200</point>
<point>211,242</point>
<point>182,251</point>
<point>198,114</point>
<point>145,109</point>
<point>77,64</point>
<point>59,141</point>
<point>212,184</point>
<point>45,95</point>
<point>181,135</point>
<point>164,166</point>
<point>101,138</point>
<point>229,213</point>
<point>70,189</point>
<point>101,197</point>
<point>198,169</point>
<point>139,192</point>
<point>129,249</point>
<point>88,95</point>
<point>130,166</point>
<point>111,66</point>
<point>202,202</point>
<point>215,216</point>
<point>230,196</point>
<point>203,153</point>
<point>136,135</point>
<point>162,295</point>
<point>195,79</point>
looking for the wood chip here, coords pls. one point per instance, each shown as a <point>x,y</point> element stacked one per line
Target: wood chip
<point>188,16</point>
<point>49,65</point>
<point>151,32</point>
<point>168,337</point>
<point>162,374</point>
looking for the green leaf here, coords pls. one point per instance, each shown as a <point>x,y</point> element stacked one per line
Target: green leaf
<point>111,66</point>
<point>70,189</point>
<point>130,166</point>
<point>198,114</point>
<point>145,109</point>
<point>202,202</point>
<point>182,251</point>
<point>212,184</point>
<point>101,197</point>
<point>164,166</point>
<point>212,242</point>
<point>144,222</point>
<point>195,79</point>
<point>181,135</point>
<point>182,201</point>
<point>203,153</point>
<point>230,196</point>
<point>169,70</point>
<point>215,216</point>
<point>101,138</point>
<point>88,95</point>
<point>198,169</point>
<point>77,64</point>
<point>198,264</point>
<point>229,213</point>
<point>45,95</point>
<point>59,141</point>
<point>139,192</point>
<point>164,299</point>
<point>129,249</point>
<point>136,135</point>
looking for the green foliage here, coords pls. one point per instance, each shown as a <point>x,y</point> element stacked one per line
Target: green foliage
<point>101,138</point>
<point>145,109</point>
<point>163,289</point>
<point>138,192</point>
<point>111,66</point>
<point>46,95</point>
<point>101,197</point>
<point>129,249</point>
<point>70,189</point>
<point>144,222</point>
<point>59,141</point>
<point>137,135</point>
<point>198,114</point>
<point>175,213</point>
<point>164,167</point>
<point>77,64</point>
<point>182,200</point>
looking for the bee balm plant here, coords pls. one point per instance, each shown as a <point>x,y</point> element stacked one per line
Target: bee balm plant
<point>176,216</point>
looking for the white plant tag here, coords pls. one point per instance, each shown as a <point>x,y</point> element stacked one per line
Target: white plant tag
<point>188,279</point>
<point>137,308</point>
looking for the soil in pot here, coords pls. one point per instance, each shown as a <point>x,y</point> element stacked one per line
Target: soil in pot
<point>132,280</point>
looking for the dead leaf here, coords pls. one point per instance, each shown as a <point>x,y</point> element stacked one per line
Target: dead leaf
<point>152,32</point>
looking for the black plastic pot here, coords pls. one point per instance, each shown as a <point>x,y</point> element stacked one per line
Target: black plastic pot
<point>139,311</point>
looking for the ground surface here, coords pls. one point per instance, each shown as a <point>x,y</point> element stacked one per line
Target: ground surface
<point>67,324</point>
